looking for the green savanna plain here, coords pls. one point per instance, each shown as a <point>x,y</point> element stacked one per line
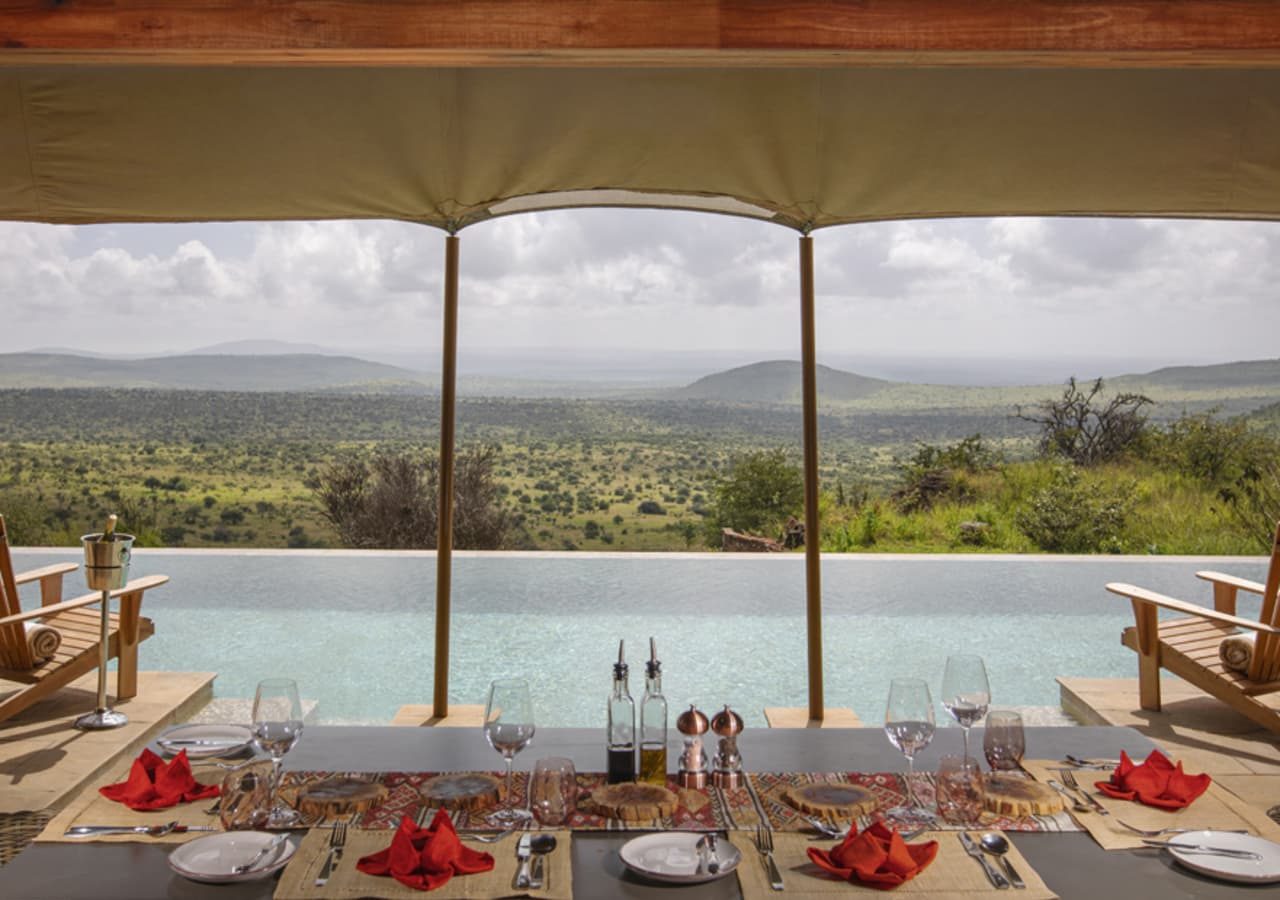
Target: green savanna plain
<point>219,468</point>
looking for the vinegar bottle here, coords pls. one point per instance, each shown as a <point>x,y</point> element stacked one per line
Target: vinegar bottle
<point>622,726</point>
<point>653,723</point>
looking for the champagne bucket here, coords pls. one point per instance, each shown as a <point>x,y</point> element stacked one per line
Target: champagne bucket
<point>106,563</point>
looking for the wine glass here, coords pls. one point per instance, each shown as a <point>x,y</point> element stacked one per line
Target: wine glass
<point>965,692</point>
<point>277,725</point>
<point>508,727</point>
<point>908,721</point>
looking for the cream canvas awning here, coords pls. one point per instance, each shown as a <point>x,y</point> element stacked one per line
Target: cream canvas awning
<point>804,147</point>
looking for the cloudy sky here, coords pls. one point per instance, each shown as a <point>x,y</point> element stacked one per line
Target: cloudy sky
<point>1128,295</point>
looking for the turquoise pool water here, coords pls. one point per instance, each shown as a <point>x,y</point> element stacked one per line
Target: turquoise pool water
<point>356,629</point>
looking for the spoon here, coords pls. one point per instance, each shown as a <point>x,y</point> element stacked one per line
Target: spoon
<point>708,855</point>
<point>262,854</point>
<point>994,843</point>
<point>541,845</point>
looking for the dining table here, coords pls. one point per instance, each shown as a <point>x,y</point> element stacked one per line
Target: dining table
<point>1071,864</point>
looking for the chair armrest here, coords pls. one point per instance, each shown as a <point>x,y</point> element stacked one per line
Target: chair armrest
<point>1144,596</point>
<point>133,587</point>
<point>47,571</point>
<point>1243,584</point>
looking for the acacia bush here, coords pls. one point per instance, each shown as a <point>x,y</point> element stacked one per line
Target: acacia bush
<point>391,501</point>
<point>1087,427</point>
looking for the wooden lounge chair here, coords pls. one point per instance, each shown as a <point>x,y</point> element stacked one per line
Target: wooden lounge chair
<point>80,627</point>
<point>1188,646</point>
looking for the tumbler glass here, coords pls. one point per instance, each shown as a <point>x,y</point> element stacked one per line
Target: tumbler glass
<point>959,790</point>
<point>553,790</point>
<point>1003,740</point>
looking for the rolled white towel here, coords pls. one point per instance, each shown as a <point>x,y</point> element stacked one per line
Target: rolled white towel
<point>43,640</point>
<point>1236,651</point>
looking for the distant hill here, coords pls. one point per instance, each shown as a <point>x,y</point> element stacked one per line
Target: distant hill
<point>1264,373</point>
<point>263,348</point>
<point>291,372</point>
<point>777,381</point>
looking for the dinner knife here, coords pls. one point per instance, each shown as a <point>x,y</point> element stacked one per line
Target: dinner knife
<point>1232,852</point>
<point>993,875</point>
<point>201,742</point>
<point>90,830</point>
<point>524,851</point>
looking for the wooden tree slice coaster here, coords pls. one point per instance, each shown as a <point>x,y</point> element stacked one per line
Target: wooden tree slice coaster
<point>634,802</point>
<point>845,801</point>
<point>336,797</point>
<point>462,790</point>
<point>1009,795</point>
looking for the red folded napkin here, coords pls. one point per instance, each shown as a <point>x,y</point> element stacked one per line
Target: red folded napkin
<point>425,858</point>
<point>878,857</point>
<point>1157,782</point>
<point>156,784</point>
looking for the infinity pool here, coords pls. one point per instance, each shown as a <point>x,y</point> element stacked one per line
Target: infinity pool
<point>357,628</point>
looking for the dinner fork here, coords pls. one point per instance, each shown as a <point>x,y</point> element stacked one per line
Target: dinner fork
<point>1158,832</point>
<point>337,840</point>
<point>1069,777</point>
<point>764,843</point>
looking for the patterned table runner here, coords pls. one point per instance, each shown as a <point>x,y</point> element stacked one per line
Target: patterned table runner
<point>760,801</point>
<point>952,874</point>
<point>1216,808</point>
<point>297,882</point>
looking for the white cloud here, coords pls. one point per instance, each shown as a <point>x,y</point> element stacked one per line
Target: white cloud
<point>645,279</point>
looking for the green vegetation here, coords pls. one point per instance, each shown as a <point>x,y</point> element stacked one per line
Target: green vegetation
<point>218,468</point>
<point>756,495</point>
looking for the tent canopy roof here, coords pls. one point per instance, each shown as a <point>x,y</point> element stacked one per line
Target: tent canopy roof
<point>453,112</point>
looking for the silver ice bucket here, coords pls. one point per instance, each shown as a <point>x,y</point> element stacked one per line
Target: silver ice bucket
<point>106,563</point>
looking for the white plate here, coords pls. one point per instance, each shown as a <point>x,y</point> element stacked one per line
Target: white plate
<point>207,740</point>
<point>212,858</point>
<point>1251,871</point>
<point>673,856</point>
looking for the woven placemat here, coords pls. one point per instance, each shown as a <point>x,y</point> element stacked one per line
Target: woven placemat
<point>348,883</point>
<point>953,873</point>
<point>1215,809</point>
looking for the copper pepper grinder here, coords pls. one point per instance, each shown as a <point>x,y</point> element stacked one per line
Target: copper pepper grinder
<point>693,761</point>
<point>728,768</point>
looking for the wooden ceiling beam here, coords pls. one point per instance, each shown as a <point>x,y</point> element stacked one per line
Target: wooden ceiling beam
<point>1087,33</point>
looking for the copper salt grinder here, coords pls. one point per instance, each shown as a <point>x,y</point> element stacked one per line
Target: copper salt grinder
<point>693,761</point>
<point>728,770</point>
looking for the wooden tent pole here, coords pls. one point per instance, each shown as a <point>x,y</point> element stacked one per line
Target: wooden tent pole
<point>444,519</point>
<point>812,557</point>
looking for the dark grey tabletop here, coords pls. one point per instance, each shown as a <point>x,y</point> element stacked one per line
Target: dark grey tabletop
<point>1071,864</point>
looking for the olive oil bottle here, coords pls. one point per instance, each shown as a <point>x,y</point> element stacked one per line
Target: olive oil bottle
<point>653,723</point>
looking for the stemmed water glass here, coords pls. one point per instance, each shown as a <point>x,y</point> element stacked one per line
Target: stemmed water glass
<point>508,727</point>
<point>965,692</point>
<point>277,725</point>
<point>908,721</point>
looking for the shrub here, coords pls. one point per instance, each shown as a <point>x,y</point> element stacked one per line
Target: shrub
<point>392,502</point>
<point>756,495</point>
<point>932,473</point>
<point>1071,515</point>
<point>651,508</point>
<point>1079,426</point>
